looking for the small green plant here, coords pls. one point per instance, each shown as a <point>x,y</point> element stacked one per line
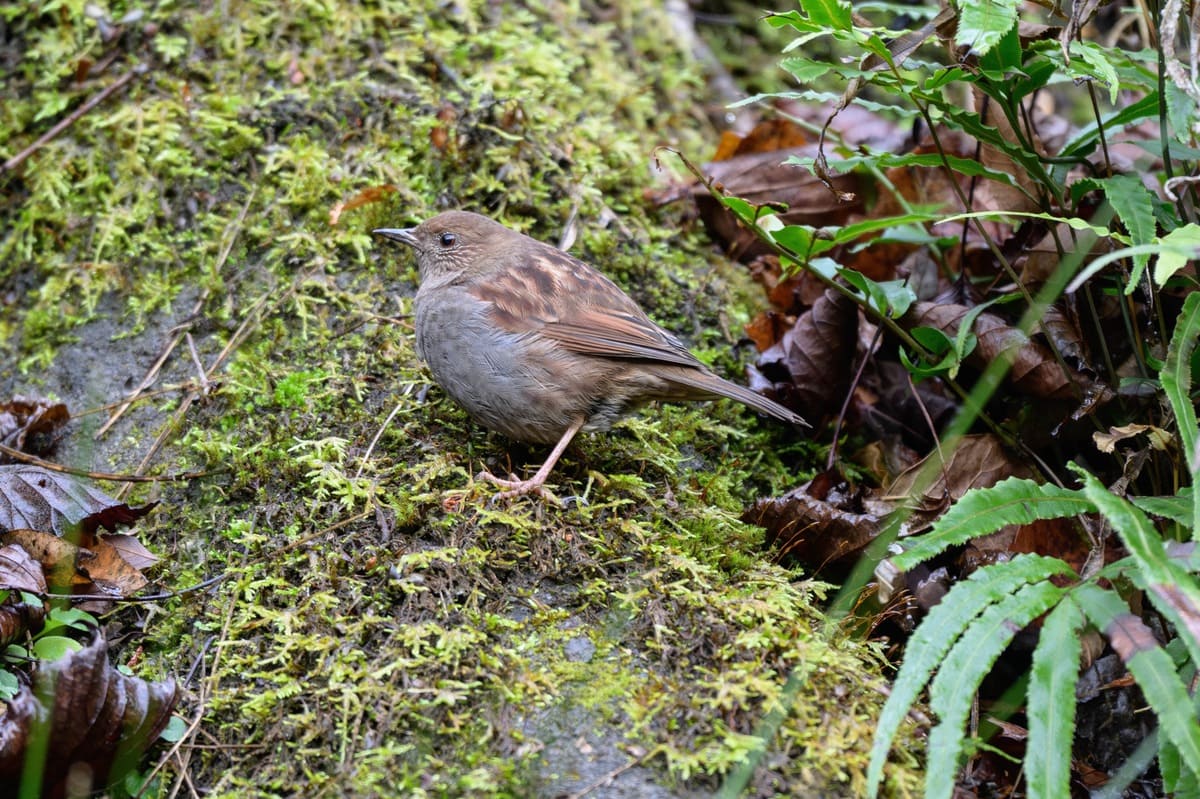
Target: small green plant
<point>51,642</point>
<point>961,638</point>
<point>1111,239</point>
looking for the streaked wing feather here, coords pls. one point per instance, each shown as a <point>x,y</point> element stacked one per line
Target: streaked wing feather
<point>564,299</point>
<point>618,337</point>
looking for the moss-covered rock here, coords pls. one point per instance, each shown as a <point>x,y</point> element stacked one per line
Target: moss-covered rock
<point>383,630</point>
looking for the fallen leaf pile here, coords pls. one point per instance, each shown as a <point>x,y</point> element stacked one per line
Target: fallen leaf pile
<point>57,538</point>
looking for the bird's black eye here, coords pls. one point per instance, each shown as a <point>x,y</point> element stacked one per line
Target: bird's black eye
<point>448,239</point>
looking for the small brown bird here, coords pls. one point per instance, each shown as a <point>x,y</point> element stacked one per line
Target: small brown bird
<point>538,345</point>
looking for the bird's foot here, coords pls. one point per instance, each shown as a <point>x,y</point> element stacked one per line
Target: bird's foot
<point>514,487</point>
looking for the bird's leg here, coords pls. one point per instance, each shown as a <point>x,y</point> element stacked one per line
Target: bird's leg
<point>515,488</point>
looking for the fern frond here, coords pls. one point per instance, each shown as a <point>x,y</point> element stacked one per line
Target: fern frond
<point>938,632</point>
<point>1051,702</point>
<point>953,691</point>
<point>982,511</point>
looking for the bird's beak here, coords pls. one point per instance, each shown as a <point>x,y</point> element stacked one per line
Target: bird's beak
<point>402,235</point>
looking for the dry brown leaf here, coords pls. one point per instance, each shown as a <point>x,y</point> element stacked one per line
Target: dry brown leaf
<point>97,568</point>
<point>372,194</point>
<point>58,557</point>
<point>809,369</point>
<point>762,178</point>
<point>1058,538</point>
<point>979,461</point>
<point>769,135</point>
<point>1157,437</point>
<point>1034,371</point>
<point>131,550</point>
<point>109,571</point>
<point>819,525</point>
<point>767,328</point>
<point>32,425</point>
<point>98,719</point>
<point>39,499</point>
<point>891,405</point>
<point>19,572</point>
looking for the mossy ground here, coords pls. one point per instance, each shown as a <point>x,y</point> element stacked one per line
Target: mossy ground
<point>384,630</point>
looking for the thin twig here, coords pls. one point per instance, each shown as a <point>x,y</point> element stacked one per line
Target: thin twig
<point>132,599</point>
<point>33,460</point>
<point>238,337</point>
<point>378,434</point>
<point>151,373</point>
<point>71,118</point>
<point>204,383</point>
<point>607,778</point>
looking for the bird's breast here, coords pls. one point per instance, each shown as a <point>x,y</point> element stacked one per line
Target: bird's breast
<point>522,385</point>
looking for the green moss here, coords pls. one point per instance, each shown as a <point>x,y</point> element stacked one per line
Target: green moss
<point>383,629</point>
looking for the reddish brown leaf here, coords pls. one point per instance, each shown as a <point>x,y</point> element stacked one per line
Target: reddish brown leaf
<point>372,194</point>
<point>819,527</point>
<point>95,569</point>
<point>1058,538</point>
<point>110,572</point>
<point>769,135</point>
<point>58,557</point>
<point>98,717</point>
<point>766,329</point>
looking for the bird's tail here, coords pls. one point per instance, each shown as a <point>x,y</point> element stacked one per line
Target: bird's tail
<point>708,384</point>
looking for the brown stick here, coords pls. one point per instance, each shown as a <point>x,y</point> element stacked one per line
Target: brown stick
<point>33,460</point>
<point>70,119</point>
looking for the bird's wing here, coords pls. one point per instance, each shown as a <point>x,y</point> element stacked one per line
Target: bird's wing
<point>564,299</point>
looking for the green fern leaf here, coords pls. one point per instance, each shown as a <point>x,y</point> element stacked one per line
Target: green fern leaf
<point>1134,204</point>
<point>985,510</point>
<point>1177,508</point>
<point>1171,588</point>
<point>1051,705</point>
<point>953,690</point>
<point>938,632</point>
<point>1176,378</point>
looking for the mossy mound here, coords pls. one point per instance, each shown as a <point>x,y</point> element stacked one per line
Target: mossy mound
<point>383,630</point>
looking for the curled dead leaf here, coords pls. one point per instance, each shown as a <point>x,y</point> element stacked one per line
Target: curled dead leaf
<point>1034,371</point>
<point>1157,437</point>
<point>819,524</point>
<point>979,461</point>
<point>19,572</point>
<point>32,425</point>
<point>809,368</point>
<point>98,568</point>
<point>100,721</point>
